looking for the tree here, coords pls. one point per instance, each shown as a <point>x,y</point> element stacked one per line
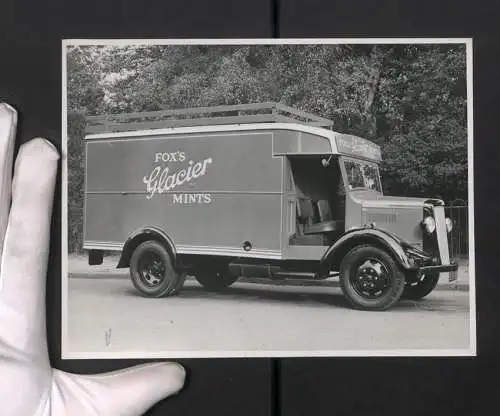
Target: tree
<point>421,113</point>
<point>85,94</point>
<point>76,132</point>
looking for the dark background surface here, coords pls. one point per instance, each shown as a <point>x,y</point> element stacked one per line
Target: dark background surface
<point>30,79</point>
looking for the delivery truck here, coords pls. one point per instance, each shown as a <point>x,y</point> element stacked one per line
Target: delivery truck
<point>262,191</point>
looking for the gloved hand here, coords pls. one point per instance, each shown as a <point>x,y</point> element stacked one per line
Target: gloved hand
<point>28,384</point>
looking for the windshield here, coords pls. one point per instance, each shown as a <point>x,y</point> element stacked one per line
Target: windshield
<point>362,175</point>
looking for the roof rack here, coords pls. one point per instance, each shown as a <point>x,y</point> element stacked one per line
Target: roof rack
<point>269,112</point>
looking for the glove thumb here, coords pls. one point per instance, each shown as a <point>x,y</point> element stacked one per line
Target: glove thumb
<point>128,392</point>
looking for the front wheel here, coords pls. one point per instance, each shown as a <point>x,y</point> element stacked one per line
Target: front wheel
<point>370,278</point>
<point>421,286</point>
<point>152,271</point>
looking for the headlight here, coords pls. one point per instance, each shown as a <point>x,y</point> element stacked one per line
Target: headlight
<point>449,224</point>
<point>429,224</point>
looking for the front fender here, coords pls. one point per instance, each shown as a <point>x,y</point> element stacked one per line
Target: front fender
<point>366,235</point>
<point>141,235</point>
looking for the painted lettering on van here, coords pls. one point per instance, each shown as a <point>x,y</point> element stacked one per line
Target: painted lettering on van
<point>170,156</point>
<point>192,198</point>
<point>162,180</point>
<point>358,146</point>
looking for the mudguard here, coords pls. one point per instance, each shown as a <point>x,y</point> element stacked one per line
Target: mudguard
<point>141,235</point>
<point>364,235</point>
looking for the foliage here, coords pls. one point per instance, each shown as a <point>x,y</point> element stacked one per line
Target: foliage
<point>410,99</point>
<point>76,133</point>
<point>422,117</point>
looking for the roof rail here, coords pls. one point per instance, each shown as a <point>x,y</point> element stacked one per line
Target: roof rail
<point>268,112</point>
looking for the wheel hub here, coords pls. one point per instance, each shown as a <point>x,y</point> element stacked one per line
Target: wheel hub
<point>371,278</point>
<point>152,270</point>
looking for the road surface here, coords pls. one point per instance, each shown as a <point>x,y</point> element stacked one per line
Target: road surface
<point>107,315</point>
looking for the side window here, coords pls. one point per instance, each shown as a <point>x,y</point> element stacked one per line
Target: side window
<point>354,174</point>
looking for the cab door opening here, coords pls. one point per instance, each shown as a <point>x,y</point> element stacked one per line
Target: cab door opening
<point>316,200</point>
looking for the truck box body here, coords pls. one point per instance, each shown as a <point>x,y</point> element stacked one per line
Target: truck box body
<point>210,189</point>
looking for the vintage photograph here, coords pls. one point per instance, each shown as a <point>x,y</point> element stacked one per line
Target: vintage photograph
<point>267,198</point>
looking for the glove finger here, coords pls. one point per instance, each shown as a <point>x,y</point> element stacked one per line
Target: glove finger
<point>26,248</point>
<point>8,125</point>
<point>128,392</point>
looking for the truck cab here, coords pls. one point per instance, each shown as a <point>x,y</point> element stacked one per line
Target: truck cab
<point>337,209</point>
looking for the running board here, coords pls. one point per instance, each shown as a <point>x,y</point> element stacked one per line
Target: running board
<point>295,275</point>
<point>301,275</point>
<point>267,271</point>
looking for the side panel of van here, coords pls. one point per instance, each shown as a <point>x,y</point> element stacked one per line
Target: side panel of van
<point>209,192</point>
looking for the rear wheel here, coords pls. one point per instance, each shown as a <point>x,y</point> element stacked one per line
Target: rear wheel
<point>215,277</point>
<point>180,284</point>
<point>152,271</point>
<point>370,278</point>
<point>421,286</point>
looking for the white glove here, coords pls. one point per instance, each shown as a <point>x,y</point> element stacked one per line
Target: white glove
<point>28,384</point>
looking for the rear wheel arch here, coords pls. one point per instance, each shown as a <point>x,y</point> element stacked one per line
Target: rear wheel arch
<point>142,235</point>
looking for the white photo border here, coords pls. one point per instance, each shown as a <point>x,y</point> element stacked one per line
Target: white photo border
<point>67,354</point>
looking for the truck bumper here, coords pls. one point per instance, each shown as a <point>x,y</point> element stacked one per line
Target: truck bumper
<point>451,269</point>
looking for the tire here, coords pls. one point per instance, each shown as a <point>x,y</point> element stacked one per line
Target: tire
<point>152,271</point>
<point>421,287</point>
<point>215,278</point>
<point>371,279</point>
